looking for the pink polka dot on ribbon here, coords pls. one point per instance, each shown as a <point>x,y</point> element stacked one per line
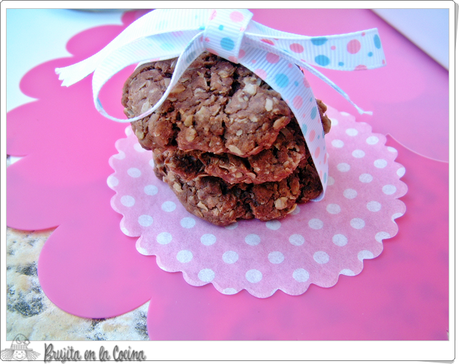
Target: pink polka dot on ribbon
<point>272,58</point>
<point>353,46</point>
<point>297,48</point>
<point>236,16</point>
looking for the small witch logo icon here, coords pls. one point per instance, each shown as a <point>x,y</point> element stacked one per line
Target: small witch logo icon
<point>19,350</point>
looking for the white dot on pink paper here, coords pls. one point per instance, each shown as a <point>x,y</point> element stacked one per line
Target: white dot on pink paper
<point>138,148</point>
<point>315,224</point>
<point>231,226</point>
<point>142,250</point>
<point>337,143</point>
<point>296,239</point>
<point>357,223</point>
<point>381,235</point>
<point>206,275</point>
<point>112,181</point>
<point>128,131</point>
<point>164,238</point>
<point>276,257</point>
<point>188,222</point>
<point>230,257</point>
<point>365,254</point>
<point>343,167</point>
<point>134,172</point>
<point>150,190</point>
<point>296,210</point>
<point>229,291</point>
<point>321,257</point>
<point>333,208</point>
<point>208,239</point>
<point>372,140</point>
<point>184,256</point>
<point>151,163</point>
<point>358,153</point>
<point>334,121</point>
<point>254,276</point>
<point>168,206</point>
<point>396,216</point>
<point>380,163</point>
<point>330,181</point>
<point>300,275</point>
<point>373,206</point>
<point>401,171</point>
<point>273,224</point>
<point>350,193</point>
<point>365,178</point>
<point>120,155</point>
<point>389,189</point>
<point>125,231</point>
<point>145,220</point>
<point>392,149</point>
<point>127,201</point>
<point>339,239</point>
<point>252,239</point>
<point>347,272</point>
<point>352,132</point>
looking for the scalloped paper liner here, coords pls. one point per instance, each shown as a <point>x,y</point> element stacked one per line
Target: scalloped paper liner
<point>314,245</point>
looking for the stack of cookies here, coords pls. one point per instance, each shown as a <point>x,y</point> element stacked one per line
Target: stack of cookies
<point>224,141</point>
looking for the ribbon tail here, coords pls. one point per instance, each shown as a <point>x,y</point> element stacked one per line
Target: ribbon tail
<point>334,86</point>
<point>361,111</point>
<point>260,45</point>
<point>76,72</point>
<point>356,50</point>
<point>153,23</point>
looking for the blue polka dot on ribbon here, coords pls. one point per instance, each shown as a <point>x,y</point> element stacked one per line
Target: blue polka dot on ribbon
<point>322,60</point>
<point>318,41</point>
<point>281,80</point>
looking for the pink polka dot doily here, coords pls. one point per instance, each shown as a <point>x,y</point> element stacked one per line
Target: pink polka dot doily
<point>315,244</point>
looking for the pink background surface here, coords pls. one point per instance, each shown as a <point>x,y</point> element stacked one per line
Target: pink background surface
<point>90,269</point>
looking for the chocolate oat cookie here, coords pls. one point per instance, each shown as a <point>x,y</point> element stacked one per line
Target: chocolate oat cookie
<point>270,165</point>
<point>216,107</point>
<point>225,142</point>
<point>223,203</point>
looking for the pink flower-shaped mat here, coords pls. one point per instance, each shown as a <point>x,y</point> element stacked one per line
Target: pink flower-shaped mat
<point>315,244</point>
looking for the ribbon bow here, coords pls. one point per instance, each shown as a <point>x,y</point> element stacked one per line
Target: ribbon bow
<point>232,34</point>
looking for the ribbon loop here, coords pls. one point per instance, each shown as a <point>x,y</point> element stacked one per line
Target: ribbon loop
<point>233,35</point>
<point>225,31</point>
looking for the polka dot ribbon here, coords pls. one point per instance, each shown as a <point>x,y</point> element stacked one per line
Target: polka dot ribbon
<point>232,34</point>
